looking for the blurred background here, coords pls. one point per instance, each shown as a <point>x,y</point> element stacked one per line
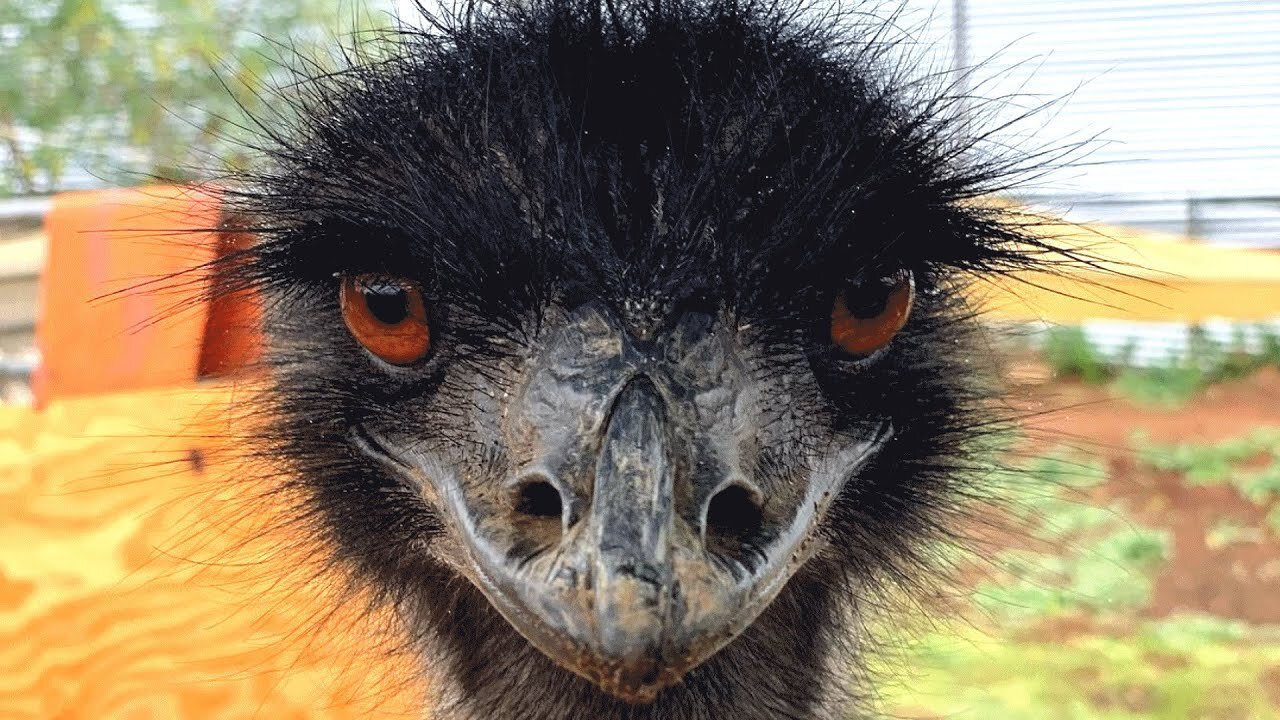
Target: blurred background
<point>1144,581</point>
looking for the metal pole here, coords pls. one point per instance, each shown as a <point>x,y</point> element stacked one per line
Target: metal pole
<point>960,54</point>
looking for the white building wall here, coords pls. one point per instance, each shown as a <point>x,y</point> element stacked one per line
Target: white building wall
<point>1183,94</point>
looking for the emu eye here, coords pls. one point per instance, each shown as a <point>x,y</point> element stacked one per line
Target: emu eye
<point>387,316</point>
<point>867,315</point>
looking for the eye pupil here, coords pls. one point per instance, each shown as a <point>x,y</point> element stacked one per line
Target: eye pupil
<point>868,301</point>
<point>389,304</point>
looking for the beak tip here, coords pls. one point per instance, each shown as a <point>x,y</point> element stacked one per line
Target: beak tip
<point>637,680</point>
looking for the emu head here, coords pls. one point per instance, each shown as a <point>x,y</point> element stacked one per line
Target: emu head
<point>631,332</point>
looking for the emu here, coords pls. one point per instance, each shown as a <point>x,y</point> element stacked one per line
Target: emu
<point>625,347</point>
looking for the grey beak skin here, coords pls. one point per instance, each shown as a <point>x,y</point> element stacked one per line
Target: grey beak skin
<point>631,526</point>
<point>638,434</point>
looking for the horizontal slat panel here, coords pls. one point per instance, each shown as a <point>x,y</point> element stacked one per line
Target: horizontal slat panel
<point>1183,94</point>
<point>18,298</point>
<point>17,340</point>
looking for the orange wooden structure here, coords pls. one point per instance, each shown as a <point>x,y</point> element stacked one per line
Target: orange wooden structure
<point>140,574</point>
<point>140,578</point>
<point>123,295</point>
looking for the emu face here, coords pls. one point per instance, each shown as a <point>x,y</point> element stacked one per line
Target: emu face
<point>647,325</point>
<point>634,482</point>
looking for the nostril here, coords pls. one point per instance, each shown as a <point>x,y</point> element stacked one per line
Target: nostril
<point>540,499</point>
<point>538,515</point>
<point>734,514</point>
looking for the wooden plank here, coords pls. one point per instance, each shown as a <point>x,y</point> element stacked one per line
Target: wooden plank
<point>1138,276</point>
<point>143,578</point>
<point>109,289</point>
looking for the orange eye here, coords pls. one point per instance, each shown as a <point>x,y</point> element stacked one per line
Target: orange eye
<point>866,317</point>
<point>387,316</point>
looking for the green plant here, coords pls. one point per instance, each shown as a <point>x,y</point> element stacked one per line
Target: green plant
<point>1180,668</point>
<point>1062,638</point>
<point>134,88</point>
<point>1263,485</point>
<point>1230,532</point>
<point>1169,385</point>
<point>1069,354</point>
<point>1273,519</point>
<point>1221,462</point>
<point>1083,558</point>
<point>1269,345</point>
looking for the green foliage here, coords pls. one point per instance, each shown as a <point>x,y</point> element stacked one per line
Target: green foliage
<point>1108,574</point>
<point>1065,469</point>
<point>1270,351</point>
<point>1070,354</point>
<point>1168,385</point>
<point>1176,669</point>
<point>1273,519</point>
<point>1230,532</point>
<point>1219,463</point>
<point>125,88</point>
<point>1264,485</point>
<point>1094,559</point>
<point>1179,378</point>
<point>1064,638</point>
<point>1048,493</point>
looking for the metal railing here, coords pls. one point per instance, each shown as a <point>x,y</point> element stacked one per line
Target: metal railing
<point>20,209</point>
<point>1229,221</point>
<point>15,376</point>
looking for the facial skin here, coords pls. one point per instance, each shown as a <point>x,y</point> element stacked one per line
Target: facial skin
<point>624,363</point>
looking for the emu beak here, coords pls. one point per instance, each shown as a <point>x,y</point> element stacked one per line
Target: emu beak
<point>624,572</point>
<point>630,600</point>
<point>629,543</point>
<point>632,597</point>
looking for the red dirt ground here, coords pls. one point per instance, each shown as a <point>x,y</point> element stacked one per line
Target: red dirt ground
<point>1239,580</point>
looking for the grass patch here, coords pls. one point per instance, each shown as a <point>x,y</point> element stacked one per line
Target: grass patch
<point>1226,462</point>
<point>1059,634</point>
<point>1225,533</point>
<point>1177,669</point>
<point>1173,382</point>
<point>1171,386</point>
<point>1080,557</point>
<point>1056,631</point>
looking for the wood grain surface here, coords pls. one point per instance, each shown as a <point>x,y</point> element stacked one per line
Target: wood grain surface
<point>139,578</point>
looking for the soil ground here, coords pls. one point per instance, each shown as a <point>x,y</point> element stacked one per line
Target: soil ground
<point>1237,580</point>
